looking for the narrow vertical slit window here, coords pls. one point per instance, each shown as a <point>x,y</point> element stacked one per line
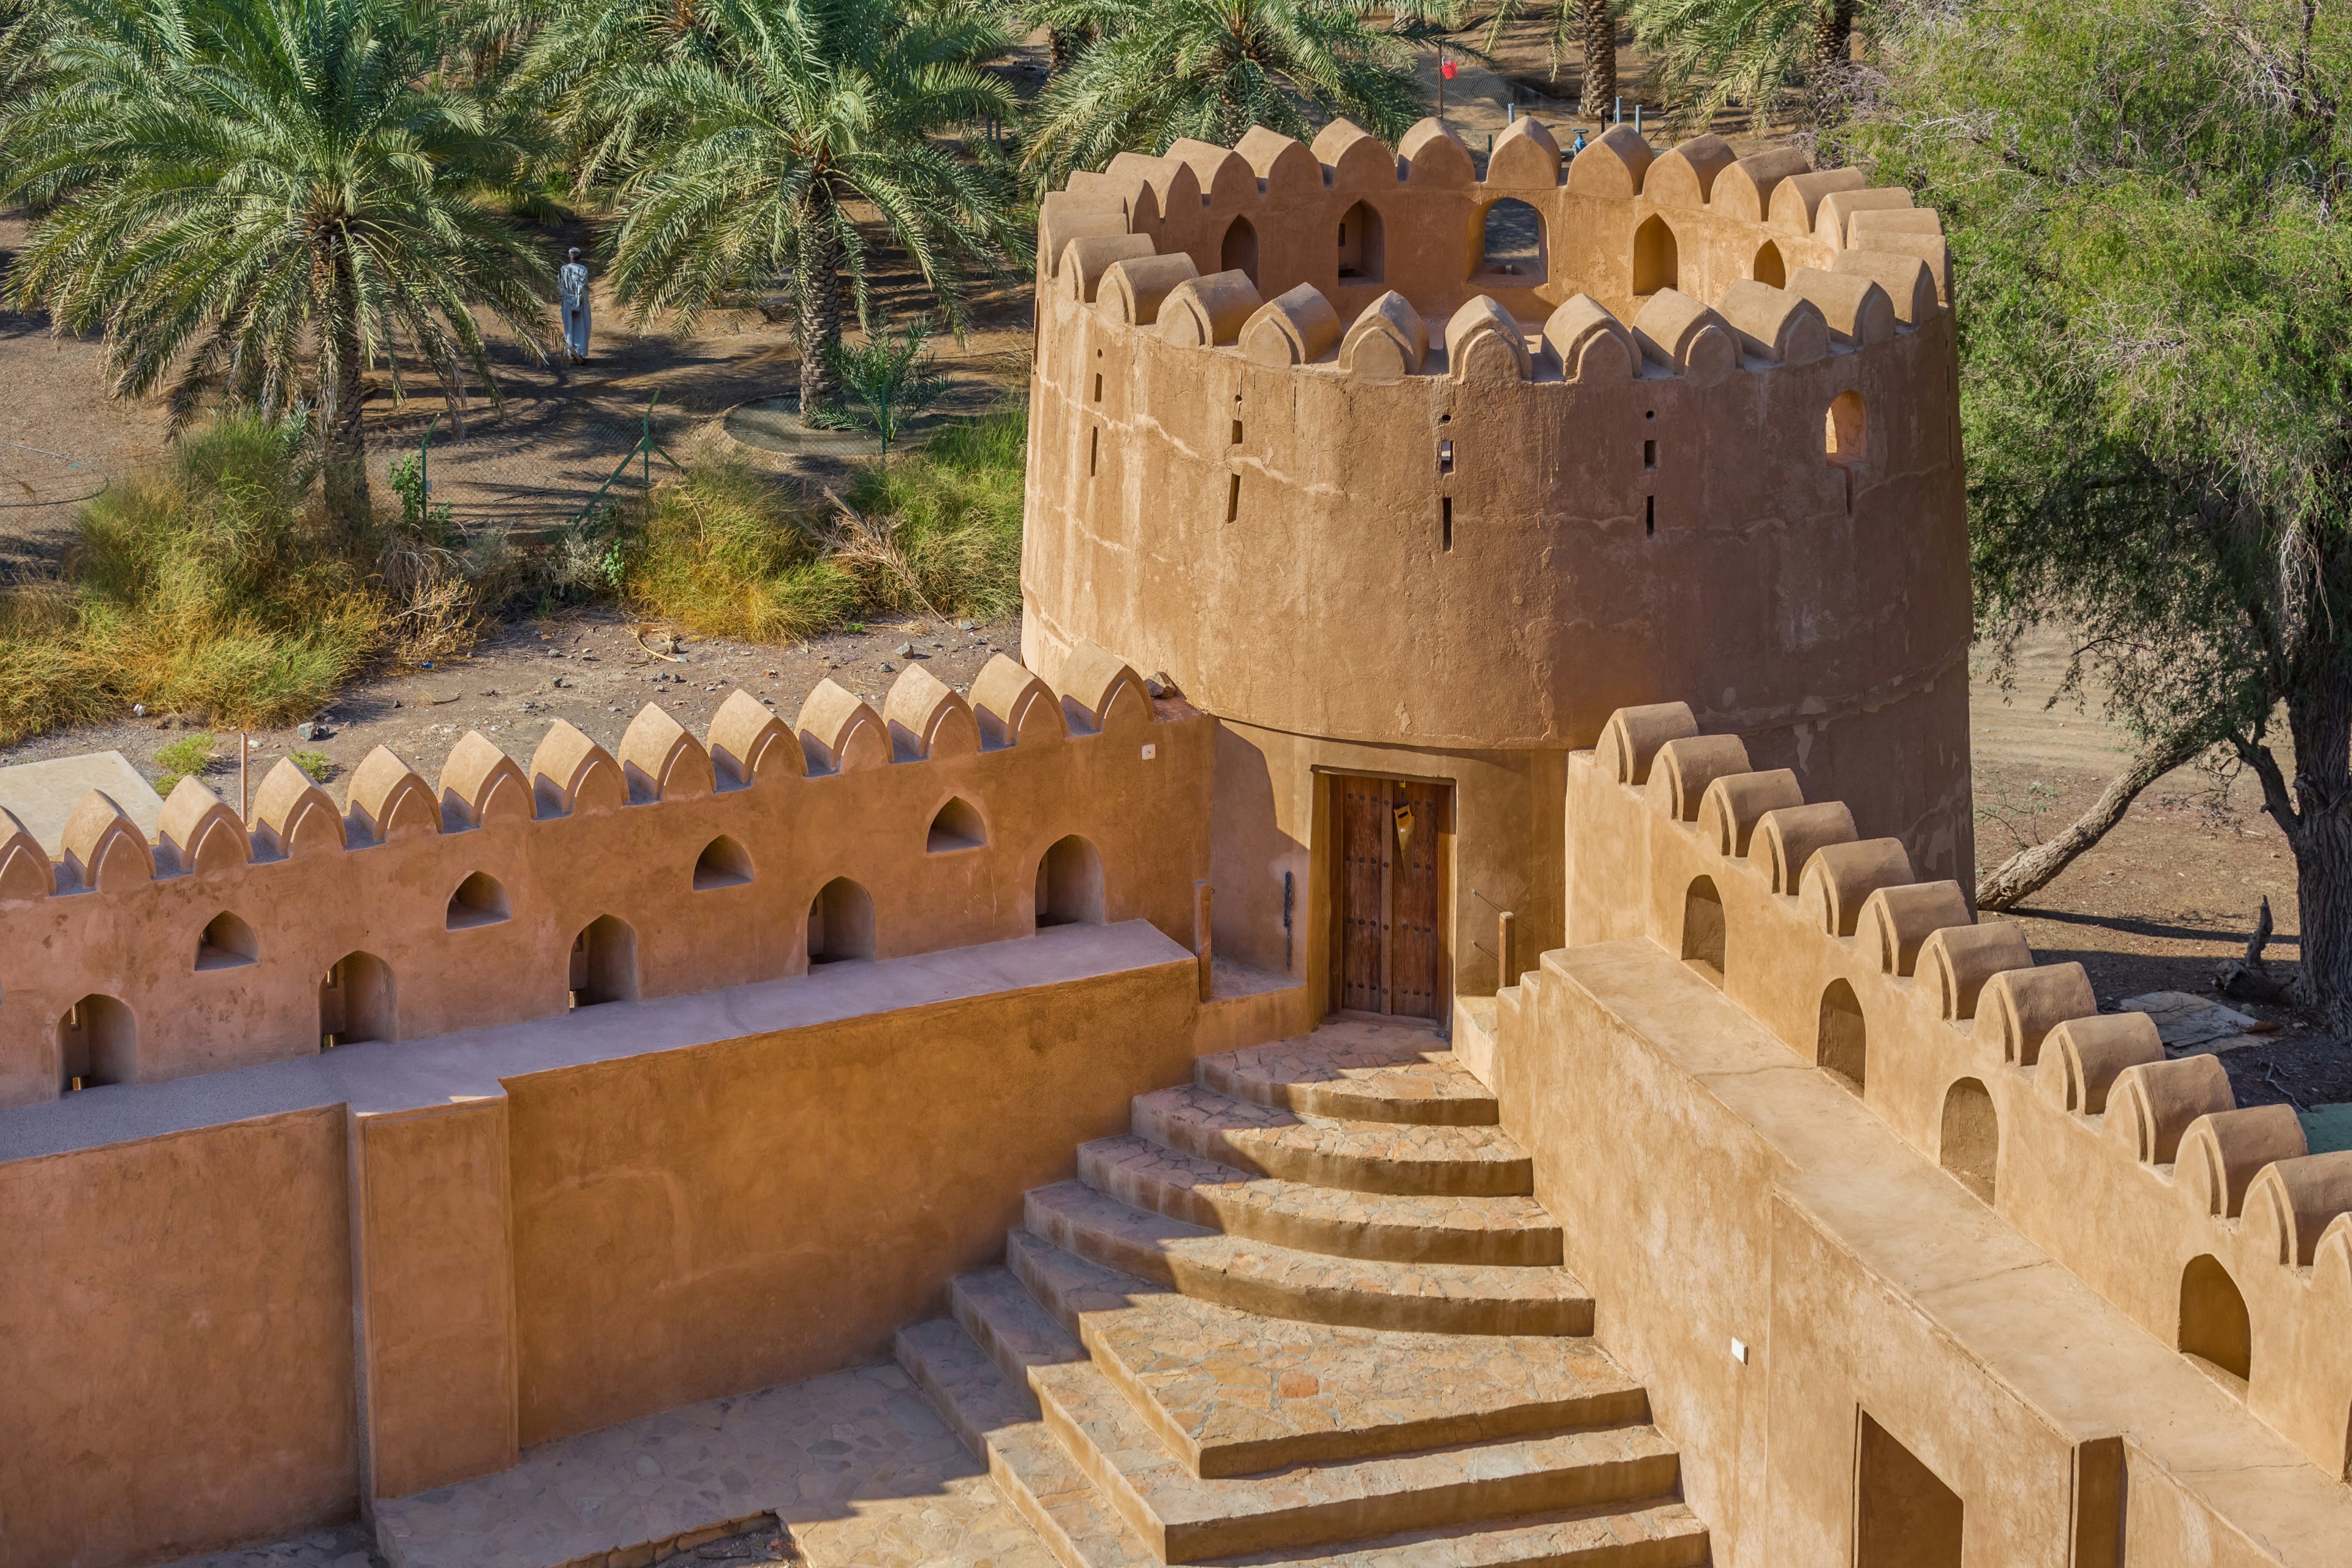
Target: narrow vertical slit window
<point>1445,522</point>
<point>1098,386</point>
<point>1650,519</point>
<point>1445,457</point>
<point>1094,451</point>
<point>1650,455</point>
<point>1232,498</point>
<point>1237,432</point>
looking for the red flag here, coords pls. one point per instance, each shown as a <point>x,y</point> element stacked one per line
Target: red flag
<point>1446,70</point>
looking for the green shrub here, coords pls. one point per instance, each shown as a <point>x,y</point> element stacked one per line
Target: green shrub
<point>315,763</point>
<point>956,508</point>
<point>725,550</point>
<point>188,754</point>
<point>210,583</point>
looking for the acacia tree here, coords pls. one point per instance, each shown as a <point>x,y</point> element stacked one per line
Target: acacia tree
<point>738,151</point>
<point>1211,68</point>
<point>263,197</point>
<point>2153,275</point>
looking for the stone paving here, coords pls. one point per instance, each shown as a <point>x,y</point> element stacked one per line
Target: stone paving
<point>858,1464</point>
<point>343,1546</point>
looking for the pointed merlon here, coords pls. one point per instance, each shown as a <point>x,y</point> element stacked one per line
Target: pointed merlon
<point>1612,164</point>
<point>482,786</point>
<point>25,872</point>
<point>1484,344</point>
<point>1133,291</point>
<point>839,734</point>
<point>1526,156</point>
<point>1685,175</point>
<point>292,816</point>
<point>1588,344</point>
<point>1359,161</point>
<point>1013,707</point>
<point>1100,692</point>
<point>1682,334</point>
<point>661,760</point>
<point>1298,327</point>
<point>388,800</point>
<point>1208,312</point>
<point>748,743</point>
<point>1778,325</point>
<point>927,719</point>
<point>1388,341</point>
<point>199,831</point>
<point>572,775</point>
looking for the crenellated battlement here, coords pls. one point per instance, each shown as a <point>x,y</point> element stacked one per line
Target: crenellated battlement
<point>495,893</point>
<point>2208,1223</point>
<point>1696,263</point>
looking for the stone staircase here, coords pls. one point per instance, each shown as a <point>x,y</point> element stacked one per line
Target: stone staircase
<point>1306,1312</point>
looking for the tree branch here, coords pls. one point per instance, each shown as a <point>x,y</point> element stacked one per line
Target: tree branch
<point>2031,869</point>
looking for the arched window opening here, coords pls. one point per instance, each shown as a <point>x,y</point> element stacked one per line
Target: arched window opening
<point>1845,433</point>
<point>1703,935</point>
<point>356,1002</point>
<point>227,943</point>
<point>1970,1146</point>
<point>1363,248</point>
<point>1904,1516</point>
<point>841,924</point>
<point>2214,1326</point>
<point>479,900</point>
<point>957,827</point>
<point>1239,252</point>
<point>1769,267</point>
<point>1654,263</point>
<point>1070,884</point>
<point>1513,243</point>
<point>1841,1046</point>
<point>603,962</point>
<point>724,864</point>
<point>98,1043</point>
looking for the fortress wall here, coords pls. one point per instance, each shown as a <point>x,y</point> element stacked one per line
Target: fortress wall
<point>527,1231</point>
<point>699,1223</point>
<point>1418,511</point>
<point>701,859</point>
<point>2137,1173</point>
<point>176,1343</point>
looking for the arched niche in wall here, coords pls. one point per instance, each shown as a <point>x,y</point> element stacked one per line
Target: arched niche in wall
<point>226,942</point>
<point>357,1001</point>
<point>958,825</point>
<point>1705,939</point>
<point>1239,251</point>
<point>98,1043</point>
<point>1843,1046</point>
<point>1770,266</point>
<point>840,922</point>
<point>2214,1324</point>
<point>1845,430</point>
<point>603,962</point>
<point>1656,258</point>
<point>1070,884</point>
<point>479,900</point>
<point>723,863</point>
<point>1970,1143</point>
<point>1363,245</point>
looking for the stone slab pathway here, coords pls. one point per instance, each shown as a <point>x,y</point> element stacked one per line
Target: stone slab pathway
<point>858,1463</point>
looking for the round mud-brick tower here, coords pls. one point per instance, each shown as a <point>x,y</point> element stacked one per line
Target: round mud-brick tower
<point>1411,478</point>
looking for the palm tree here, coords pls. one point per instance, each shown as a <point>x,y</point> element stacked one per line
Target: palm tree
<point>265,197</point>
<point>1592,25</point>
<point>740,149</point>
<point>1708,53</point>
<point>1211,68</point>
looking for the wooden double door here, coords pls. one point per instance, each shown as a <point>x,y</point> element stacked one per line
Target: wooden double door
<point>1388,882</point>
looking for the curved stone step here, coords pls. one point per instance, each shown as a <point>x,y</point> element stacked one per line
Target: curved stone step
<point>1656,1532</point>
<point>1232,1393</point>
<point>1358,1071</point>
<point>1308,1286</point>
<point>1362,1156</point>
<point>1191,1519</point>
<point>1396,1227</point>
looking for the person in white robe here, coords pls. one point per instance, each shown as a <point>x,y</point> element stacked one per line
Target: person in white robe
<point>572,289</point>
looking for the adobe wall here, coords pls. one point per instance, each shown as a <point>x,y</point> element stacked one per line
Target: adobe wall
<point>176,1343</point>
<point>535,1230</point>
<point>709,850</point>
<point>2005,1293</point>
<point>1446,511</point>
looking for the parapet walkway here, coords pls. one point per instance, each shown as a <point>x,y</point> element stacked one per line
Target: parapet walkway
<point>1306,1312</point>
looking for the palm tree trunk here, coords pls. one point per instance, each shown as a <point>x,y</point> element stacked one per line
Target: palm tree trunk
<point>1062,46</point>
<point>821,316</point>
<point>340,389</point>
<point>1833,62</point>
<point>1599,56</point>
<point>2035,866</point>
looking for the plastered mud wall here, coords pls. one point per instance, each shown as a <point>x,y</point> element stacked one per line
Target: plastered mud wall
<point>684,863</point>
<point>1707,444</point>
<point>1892,1166</point>
<point>247,1325</point>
